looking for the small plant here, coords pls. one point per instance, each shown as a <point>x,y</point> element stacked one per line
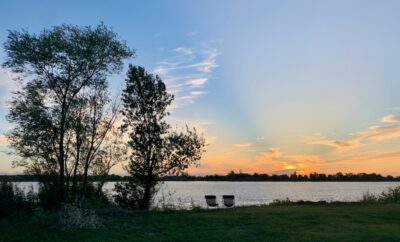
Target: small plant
<point>194,206</point>
<point>165,202</point>
<point>369,198</point>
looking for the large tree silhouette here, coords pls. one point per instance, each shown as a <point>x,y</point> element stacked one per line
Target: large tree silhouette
<point>157,150</point>
<point>59,112</point>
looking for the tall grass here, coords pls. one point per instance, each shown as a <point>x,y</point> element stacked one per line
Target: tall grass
<point>392,195</point>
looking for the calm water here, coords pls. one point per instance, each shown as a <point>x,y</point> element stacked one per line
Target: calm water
<point>255,193</point>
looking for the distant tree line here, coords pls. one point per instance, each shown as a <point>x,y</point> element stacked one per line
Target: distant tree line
<point>232,176</point>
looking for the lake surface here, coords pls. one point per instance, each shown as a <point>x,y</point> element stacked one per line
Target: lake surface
<point>183,194</point>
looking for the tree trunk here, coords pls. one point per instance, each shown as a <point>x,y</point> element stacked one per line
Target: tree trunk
<point>61,158</point>
<point>146,197</point>
<point>85,181</point>
<point>74,178</point>
<point>62,167</point>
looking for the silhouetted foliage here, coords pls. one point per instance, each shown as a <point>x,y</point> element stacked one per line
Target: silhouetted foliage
<point>232,176</point>
<point>59,112</point>
<point>157,150</point>
<point>392,195</point>
<point>14,200</point>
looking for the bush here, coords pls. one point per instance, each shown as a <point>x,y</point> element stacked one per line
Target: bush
<point>71,217</point>
<point>392,195</point>
<point>281,201</point>
<point>369,198</point>
<point>287,201</point>
<point>194,206</point>
<point>13,199</point>
<point>127,195</point>
<point>48,195</point>
<point>97,198</point>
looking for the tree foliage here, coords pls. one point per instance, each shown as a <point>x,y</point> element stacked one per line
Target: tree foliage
<point>62,113</point>
<point>156,149</point>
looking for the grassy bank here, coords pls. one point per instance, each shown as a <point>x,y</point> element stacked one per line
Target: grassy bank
<point>312,222</point>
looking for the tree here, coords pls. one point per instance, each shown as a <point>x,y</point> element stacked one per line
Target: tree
<point>60,66</point>
<point>157,150</point>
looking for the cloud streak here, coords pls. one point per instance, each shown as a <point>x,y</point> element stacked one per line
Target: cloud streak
<point>373,133</point>
<point>187,70</point>
<point>244,145</point>
<point>390,119</point>
<point>340,145</point>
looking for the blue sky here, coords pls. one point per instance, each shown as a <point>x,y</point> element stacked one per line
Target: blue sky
<point>274,85</point>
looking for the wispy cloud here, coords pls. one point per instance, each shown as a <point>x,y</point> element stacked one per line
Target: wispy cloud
<point>270,154</point>
<point>187,70</point>
<point>243,145</point>
<point>380,133</point>
<point>373,133</point>
<point>390,119</point>
<point>340,145</point>
<point>192,33</point>
<point>377,156</point>
<point>197,81</point>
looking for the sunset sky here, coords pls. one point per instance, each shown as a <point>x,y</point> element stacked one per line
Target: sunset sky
<point>276,86</point>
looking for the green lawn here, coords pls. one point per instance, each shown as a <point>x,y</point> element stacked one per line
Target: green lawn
<point>312,222</point>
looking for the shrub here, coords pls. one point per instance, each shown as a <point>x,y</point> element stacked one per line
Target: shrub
<point>194,206</point>
<point>13,199</point>
<point>287,201</point>
<point>97,198</point>
<point>127,195</point>
<point>281,201</point>
<point>369,198</point>
<point>392,195</point>
<point>71,217</point>
<point>48,195</point>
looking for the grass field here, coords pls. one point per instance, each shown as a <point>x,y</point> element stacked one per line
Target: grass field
<point>309,222</point>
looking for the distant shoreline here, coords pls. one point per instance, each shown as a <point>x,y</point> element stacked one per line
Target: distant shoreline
<point>235,177</point>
